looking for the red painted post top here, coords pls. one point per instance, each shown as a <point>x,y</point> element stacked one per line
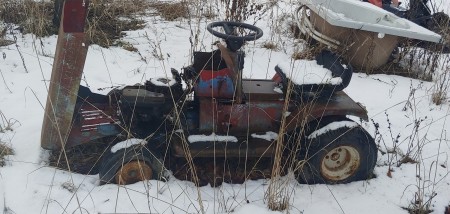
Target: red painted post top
<point>74,14</point>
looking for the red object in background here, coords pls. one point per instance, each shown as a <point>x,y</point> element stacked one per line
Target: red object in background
<point>378,3</point>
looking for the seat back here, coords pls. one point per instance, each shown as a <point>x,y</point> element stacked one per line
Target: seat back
<point>215,79</point>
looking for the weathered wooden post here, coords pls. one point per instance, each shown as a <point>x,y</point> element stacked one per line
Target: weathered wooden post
<point>70,56</point>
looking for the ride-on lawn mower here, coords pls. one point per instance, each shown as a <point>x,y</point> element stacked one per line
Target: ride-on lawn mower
<point>217,117</point>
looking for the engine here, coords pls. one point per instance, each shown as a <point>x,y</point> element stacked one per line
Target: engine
<point>145,107</point>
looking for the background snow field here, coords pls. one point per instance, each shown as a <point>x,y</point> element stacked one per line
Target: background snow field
<point>403,121</point>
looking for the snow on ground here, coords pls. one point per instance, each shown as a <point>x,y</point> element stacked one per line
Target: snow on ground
<point>400,106</point>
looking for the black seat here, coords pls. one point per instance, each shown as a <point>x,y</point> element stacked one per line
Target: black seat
<point>329,61</point>
<point>208,61</point>
<point>212,61</point>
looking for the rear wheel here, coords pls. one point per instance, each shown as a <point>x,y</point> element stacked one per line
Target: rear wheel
<point>339,156</point>
<point>130,165</point>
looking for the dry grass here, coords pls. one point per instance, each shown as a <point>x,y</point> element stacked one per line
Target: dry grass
<point>240,10</point>
<point>6,125</point>
<point>439,97</point>
<point>270,45</point>
<point>308,53</point>
<point>171,11</point>
<point>302,55</point>
<point>5,150</point>
<point>107,19</point>
<point>442,83</point>
<point>80,159</point>
<point>32,16</point>
<point>5,42</point>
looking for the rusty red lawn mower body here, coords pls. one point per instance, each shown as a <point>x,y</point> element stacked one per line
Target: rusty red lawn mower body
<point>217,114</point>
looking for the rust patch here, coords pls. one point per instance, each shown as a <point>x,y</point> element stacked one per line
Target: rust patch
<point>74,14</point>
<point>338,104</point>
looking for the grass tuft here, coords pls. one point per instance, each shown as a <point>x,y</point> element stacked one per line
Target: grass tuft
<point>108,19</point>
<point>5,150</point>
<point>31,16</point>
<point>270,45</point>
<point>171,11</point>
<point>106,22</point>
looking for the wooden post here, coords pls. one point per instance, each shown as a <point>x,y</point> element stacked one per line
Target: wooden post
<point>70,56</point>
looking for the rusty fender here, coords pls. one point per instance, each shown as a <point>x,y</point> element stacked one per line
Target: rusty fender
<point>339,104</point>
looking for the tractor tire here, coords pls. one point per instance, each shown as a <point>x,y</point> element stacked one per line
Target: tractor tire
<point>339,156</point>
<point>130,165</point>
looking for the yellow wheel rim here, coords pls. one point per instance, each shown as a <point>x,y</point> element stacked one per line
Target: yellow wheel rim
<point>340,163</point>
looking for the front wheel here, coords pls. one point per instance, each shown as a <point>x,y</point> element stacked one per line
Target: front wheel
<point>338,155</point>
<point>130,165</point>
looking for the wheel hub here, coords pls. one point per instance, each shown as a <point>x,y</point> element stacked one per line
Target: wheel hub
<point>340,163</point>
<point>133,172</point>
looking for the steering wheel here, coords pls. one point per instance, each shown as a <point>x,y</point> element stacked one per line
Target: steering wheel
<point>234,41</point>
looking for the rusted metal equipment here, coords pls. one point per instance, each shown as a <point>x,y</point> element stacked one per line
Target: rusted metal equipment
<point>70,56</point>
<point>218,115</point>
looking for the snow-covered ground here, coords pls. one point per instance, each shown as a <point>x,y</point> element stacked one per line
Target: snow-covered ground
<point>398,105</point>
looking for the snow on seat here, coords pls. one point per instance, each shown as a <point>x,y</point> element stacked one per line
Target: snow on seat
<point>322,76</point>
<point>307,72</point>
